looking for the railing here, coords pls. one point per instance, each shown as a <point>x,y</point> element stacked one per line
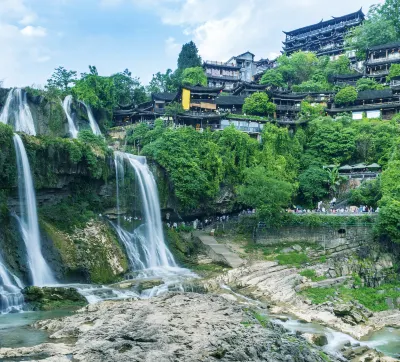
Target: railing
<point>223,77</point>
<point>211,62</point>
<point>364,106</point>
<point>245,129</point>
<point>281,107</point>
<point>384,59</point>
<point>322,30</point>
<point>360,175</point>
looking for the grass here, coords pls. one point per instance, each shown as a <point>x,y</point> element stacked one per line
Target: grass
<point>294,259</point>
<point>368,297</point>
<point>311,274</point>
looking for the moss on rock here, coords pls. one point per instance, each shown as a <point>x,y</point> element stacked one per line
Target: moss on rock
<point>92,251</point>
<point>52,298</point>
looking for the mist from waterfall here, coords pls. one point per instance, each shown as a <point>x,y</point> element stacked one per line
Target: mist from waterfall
<point>16,112</point>
<point>93,123</point>
<point>11,298</point>
<point>73,131</point>
<point>145,246</point>
<point>40,271</point>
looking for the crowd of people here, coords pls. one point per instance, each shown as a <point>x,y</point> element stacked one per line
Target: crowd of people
<point>363,209</point>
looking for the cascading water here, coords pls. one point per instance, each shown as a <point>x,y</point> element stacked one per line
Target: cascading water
<point>17,113</point>
<point>41,273</point>
<point>93,124</point>
<point>146,246</point>
<point>11,299</point>
<point>73,131</point>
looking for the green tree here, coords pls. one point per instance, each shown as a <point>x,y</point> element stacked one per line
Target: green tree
<point>272,78</point>
<point>189,56</point>
<point>313,185</point>
<point>334,180</point>
<point>173,110</point>
<point>266,193</point>
<point>297,68</point>
<point>338,66</point>
<point>194,76</point>
<point>309,111</point>
<point>390,10</point>
<point>258,104</point>
<point>346,95</point>
<point>364,84</point>
<point>394,71</point>
<point>162,82</point>
<point>374,31</point>
<point>97,91</point>
<point>128,89</point>
<point>61,80</point>
<point>312,86</point>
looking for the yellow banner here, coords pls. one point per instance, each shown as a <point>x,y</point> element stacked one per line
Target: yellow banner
<point>186,99</point>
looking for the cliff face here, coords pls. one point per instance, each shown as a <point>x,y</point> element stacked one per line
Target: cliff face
<point>74,183</point>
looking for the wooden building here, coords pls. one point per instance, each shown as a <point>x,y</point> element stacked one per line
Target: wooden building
<point>380,58</point>
<point>325,37</point>
<point>343,80</point>
<point>372,104</point>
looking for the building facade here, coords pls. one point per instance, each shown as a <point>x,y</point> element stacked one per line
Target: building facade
<point>230,74</point>
<point>380,58</point>
<point>323,38</point>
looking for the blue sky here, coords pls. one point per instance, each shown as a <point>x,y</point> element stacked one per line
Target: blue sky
<point>145,36</point>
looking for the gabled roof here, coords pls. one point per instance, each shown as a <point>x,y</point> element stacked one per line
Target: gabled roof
<point>201,89</point>
<point>323,24</point>
<point>385,46</point>
<point>165,96</point>
<point>230,100</point>
<point>375,94</point>
<point>238,56</point>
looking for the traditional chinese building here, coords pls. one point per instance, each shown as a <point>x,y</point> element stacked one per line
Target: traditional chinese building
<point>379,60</point>
<point>372,104</point>
<point>288,105</point>
<point>343,80</point>
<point>247,89</point>
<point>323,38</point>
<point>241,68</point>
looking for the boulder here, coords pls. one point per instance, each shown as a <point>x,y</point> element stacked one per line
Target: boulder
<point>52,298</point>
<point>317,339</point>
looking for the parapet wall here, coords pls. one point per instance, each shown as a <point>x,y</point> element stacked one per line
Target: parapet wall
<point>329,237</point>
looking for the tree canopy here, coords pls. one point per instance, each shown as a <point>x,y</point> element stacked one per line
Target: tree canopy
<point>258,104</point>
<point>346,95</point>
<point>194,76</point>
<point>189,56</point>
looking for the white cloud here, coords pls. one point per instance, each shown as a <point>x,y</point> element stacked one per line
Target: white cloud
<point>172,48</point>
<point>222,28</point>
<point>34,31</point>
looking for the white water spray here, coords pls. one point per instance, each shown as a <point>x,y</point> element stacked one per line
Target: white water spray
<point>11,299</point>
<point>73,131</point>
<point>93,124</point>
<point>40,271</point>
<point>17,113</point>
<point>146,246</point>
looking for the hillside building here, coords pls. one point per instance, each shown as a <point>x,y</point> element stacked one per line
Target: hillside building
<point>380,58</point>
<point>323,38</point>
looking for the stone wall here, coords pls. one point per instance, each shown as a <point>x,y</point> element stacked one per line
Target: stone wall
<point>329,237</point>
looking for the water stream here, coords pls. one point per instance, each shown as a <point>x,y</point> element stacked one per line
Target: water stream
<point>93,123</point>
<point>40,272</point>
<point>73,131</point>
<point>11,299</point>
<point>17,113</point>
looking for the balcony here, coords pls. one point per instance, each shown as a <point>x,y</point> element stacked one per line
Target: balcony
<point>384,60</point>
<point>280,107</point>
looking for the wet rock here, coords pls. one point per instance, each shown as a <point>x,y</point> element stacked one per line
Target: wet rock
<point>317,339</point>
<point>178,327</point>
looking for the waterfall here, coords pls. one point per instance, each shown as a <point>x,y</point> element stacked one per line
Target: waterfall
<point>67,109</point>
<point>145,246</point>
<point>11,299</point>
<point>16,112</point>
<point>93,124</point>
<point>40,271</point>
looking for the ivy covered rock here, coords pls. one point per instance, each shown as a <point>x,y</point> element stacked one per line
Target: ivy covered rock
<point>52,298</point>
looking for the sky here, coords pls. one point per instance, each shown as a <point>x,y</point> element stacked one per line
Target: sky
<point>145,36</point>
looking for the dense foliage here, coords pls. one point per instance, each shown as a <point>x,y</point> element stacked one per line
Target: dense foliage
<point>346,95</point>
<point>258,104</point>
<point>194,76</point>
